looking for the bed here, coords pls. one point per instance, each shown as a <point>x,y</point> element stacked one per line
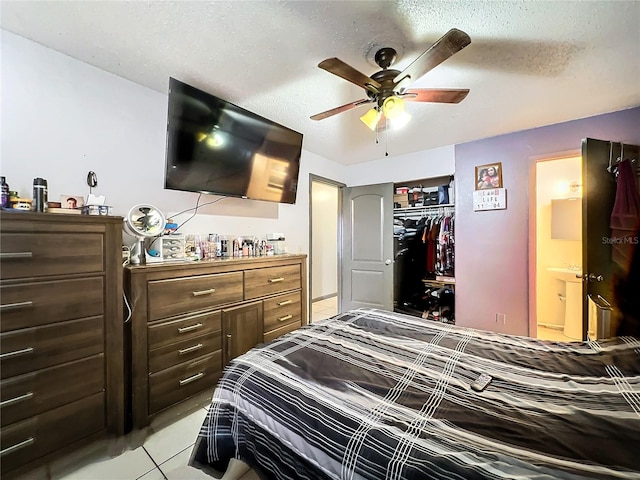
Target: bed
<point>370,394</point>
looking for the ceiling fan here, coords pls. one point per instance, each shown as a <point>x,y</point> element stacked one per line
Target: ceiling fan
<point>387,89</point>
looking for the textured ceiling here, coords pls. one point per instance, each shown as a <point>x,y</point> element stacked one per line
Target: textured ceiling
<point>530,63</point>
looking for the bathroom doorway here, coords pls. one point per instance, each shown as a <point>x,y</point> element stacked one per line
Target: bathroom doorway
<point>324,254</point>
<point>558,248</point>
<point>554,262</point>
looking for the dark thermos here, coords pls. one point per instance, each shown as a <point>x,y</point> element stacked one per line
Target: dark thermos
<point>39,195</point>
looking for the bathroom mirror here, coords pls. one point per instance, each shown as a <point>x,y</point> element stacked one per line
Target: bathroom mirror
<point>566,219</point>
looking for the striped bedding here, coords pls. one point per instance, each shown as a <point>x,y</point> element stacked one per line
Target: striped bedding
<point>376,395</point>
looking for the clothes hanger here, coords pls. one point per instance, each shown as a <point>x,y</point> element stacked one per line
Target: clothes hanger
<point>613,168</point>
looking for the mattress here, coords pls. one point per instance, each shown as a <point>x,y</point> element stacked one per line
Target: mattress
<point>370,394</point>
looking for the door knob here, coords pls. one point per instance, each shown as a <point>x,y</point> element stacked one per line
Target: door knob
<point>387,262</point>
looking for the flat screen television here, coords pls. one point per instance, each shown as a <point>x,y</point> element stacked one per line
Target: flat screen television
<point>216,147</point>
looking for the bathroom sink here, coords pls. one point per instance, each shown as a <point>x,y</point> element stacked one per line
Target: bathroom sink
<point>566,274</point>
<point>572,299</point>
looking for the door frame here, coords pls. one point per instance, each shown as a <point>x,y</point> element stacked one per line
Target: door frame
<point>533,230</point>
<point>319,179</point>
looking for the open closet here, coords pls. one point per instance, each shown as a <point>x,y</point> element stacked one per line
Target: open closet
<point>424,248</point>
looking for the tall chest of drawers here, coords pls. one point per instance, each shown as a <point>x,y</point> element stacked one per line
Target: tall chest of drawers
<point>189,319</point>
<point>61,335</point>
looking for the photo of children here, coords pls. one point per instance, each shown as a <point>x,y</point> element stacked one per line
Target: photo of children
<point>489,176</point>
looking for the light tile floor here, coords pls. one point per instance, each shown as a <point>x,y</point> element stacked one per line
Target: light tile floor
<point>553,334</point>
<point>163,455</point>
<point>322,309</point>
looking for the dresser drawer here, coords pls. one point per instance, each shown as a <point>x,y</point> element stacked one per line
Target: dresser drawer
<point>181,295</point>
<point>273,334</point>
<point>282,310</point>
<point>30,439</point>
<point>183,351</point>
<point>31,304</point>
<point>184,328</point>
<point>182,381</point>
<point>31,349</point>
<point>33,393</point>
<point>267,281</point>
<point>44,254</point>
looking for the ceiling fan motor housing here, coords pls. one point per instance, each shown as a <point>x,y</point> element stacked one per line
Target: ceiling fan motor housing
<point>385,57</point>
<point>384,78</point>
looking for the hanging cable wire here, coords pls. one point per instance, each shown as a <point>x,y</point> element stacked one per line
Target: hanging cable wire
<point>198,206</point>
<point>195,211</point>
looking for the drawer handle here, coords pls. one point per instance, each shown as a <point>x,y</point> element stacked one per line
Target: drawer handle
<point>189,328</point>
<point>276,280</point>
<point>204,292</point>
<point>286,317</point>
<point>24,351</point>
<point>15,306</point>
<point>192,378</point>
<point>17,446</point>
<point>10,255</point>
<point>228,344</point>
<point>17,399</point>
<point>285,302</point>
<point>190,349</point>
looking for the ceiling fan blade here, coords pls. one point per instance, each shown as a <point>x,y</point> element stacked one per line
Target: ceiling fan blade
<point>436,95</point>
<point>451,42</point>
<point>343,70</point>
<point>343,108</point>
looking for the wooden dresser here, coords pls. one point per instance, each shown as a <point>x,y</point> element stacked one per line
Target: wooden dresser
<point>61,335</point>
<point>189,319</point>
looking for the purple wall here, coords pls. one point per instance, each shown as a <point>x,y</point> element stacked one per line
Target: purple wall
<point>492,258</point>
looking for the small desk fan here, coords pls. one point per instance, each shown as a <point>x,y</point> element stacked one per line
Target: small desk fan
<point>143,221</point>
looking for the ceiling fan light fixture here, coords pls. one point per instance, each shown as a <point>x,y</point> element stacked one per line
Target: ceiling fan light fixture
<point>400,121</point>
<point>371,118</point>
<point>393,107</point>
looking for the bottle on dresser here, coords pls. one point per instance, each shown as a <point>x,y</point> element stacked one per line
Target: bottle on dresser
<point>5,199</point>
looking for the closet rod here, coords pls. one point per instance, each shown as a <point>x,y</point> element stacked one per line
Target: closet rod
<point>423,211</point>
<point>422,207</point>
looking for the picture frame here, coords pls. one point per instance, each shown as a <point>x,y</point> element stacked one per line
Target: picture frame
<point>489,176</point>
<point>72,201</point>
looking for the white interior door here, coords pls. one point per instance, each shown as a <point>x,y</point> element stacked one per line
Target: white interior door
<point>367,247</point>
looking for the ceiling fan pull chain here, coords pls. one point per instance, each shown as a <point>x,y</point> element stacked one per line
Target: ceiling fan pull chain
<point>386,143</point>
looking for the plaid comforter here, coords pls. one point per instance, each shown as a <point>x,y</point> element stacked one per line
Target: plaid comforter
<point>376,395</point>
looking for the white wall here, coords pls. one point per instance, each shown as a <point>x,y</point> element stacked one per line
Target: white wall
<point>412,166</point>
<point>324,239</point>
<point>62,118</point>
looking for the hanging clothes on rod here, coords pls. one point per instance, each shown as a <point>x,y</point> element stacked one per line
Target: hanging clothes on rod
<point>424,246</point>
